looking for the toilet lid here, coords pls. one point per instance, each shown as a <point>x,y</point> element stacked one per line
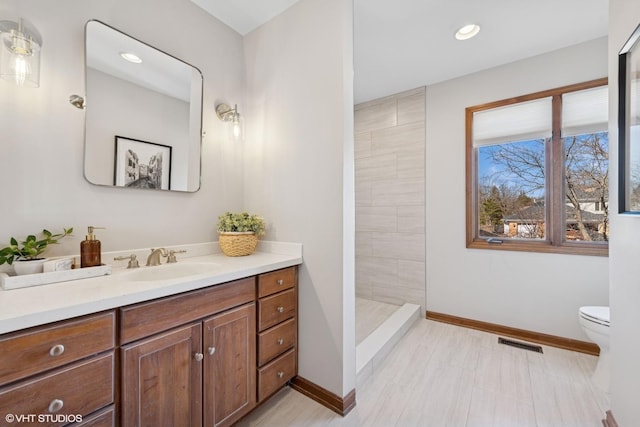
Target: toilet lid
<point>598,314</point>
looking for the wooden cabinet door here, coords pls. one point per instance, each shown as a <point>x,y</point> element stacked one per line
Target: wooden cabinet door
<point>162,379</point>
<point>229,365</point>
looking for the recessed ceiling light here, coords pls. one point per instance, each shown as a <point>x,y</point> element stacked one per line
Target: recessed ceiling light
<point>131,57</point>
<point>467,32</point>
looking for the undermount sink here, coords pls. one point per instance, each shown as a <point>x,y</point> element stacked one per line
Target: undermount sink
<point>170,271</point>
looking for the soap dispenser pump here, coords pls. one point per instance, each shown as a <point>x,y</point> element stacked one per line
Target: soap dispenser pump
<point>90,251</point>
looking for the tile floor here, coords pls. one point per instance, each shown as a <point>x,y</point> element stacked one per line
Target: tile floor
<point>443,375</point>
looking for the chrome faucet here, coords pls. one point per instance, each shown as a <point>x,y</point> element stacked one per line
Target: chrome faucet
<point>154,256</point>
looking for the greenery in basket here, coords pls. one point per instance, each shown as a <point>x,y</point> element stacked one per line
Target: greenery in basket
<point>31,247</point>
<point>241,222</point>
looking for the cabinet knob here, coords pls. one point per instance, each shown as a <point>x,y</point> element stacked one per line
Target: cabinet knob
<point>280,282</point>
<point>280,341</point>
<point>280,309</point>
<point>55,405</point>
<point>211,350</point>
<point>198,357</point>
<point>56,350</point>
<point>280,374</point>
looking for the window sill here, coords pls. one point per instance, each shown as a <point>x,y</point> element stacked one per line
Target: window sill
<point>542,247</point>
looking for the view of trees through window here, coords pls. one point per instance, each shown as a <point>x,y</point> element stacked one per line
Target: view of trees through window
<point>538,171</point>
<point>512,179</point>
<point>512,182</point>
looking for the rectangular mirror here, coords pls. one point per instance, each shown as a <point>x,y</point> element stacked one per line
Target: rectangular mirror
<point>629,125</point>
<point>143,114</point>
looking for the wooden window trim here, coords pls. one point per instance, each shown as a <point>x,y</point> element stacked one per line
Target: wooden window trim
<point>554,194</point>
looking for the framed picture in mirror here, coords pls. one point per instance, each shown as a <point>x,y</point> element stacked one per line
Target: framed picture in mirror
<point>142,164</point>
<point>629,125</point>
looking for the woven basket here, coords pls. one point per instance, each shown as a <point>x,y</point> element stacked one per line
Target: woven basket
<point>237,243</point>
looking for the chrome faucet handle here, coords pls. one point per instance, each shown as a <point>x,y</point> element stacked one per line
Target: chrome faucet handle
<point>133,260</point>
<point>172,255</point>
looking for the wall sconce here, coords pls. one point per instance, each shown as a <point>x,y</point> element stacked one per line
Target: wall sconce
<point>77,101</point>
<point>20,53</point>
<point>228,114</point>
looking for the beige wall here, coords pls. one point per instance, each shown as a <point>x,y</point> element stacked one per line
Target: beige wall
<point>390,195</point>
<point>42,139</point>
<point>298,152</point>
<point>533,291</point>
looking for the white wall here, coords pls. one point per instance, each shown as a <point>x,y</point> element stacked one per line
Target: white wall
<point>624,16</point>
<point>299,158</point>
<point>42,139</point>
<point>532,291</point>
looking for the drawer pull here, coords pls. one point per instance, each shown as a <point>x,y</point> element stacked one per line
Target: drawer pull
<point>280,374</point>
<point>56,350</point>
<point>198,357</point>
<point>280,341</point>
<point>280,309</point>
<point>280,282</point>
<point>211,350</point>
<point>55,405</point>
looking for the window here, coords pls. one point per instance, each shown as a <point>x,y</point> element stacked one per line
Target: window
<point>537,172</point>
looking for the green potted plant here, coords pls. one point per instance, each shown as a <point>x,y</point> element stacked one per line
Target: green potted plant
<point>238,233</point>
<point>27,253</point>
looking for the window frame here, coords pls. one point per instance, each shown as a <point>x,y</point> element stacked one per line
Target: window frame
<point>554,187</point>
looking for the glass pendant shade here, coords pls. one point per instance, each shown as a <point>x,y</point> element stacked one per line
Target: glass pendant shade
<point>19,54</point>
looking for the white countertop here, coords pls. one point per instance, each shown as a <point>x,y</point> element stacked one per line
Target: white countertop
<point>38,305</point>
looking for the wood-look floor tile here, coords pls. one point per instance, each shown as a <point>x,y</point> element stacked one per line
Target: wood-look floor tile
<point>442,375</point>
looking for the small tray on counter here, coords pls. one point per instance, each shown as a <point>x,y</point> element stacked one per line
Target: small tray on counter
<point>16,282</point>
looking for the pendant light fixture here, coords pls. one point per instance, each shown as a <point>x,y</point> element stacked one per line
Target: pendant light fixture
<point>20,53</point>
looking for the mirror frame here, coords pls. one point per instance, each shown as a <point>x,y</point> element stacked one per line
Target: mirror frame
<point>632,45</point>
<point>88,95</point>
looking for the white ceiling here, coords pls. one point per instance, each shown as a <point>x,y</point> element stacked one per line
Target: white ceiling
<point>403,44</point>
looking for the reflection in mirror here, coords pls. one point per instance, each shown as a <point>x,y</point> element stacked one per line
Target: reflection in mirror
<point>138,94</point>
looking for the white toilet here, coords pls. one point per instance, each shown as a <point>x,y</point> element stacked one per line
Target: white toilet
<point>595,323</point>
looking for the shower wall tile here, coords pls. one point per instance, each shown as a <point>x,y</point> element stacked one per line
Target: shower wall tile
<point>390,198</point>
<point>411,108</point>
<point>398,139</point>
<point>376,168</point>
<point>411,219</point>
<point>412,274</point>
<point>398,295</point>
<point>405,246</point>
<point>375,116</point>
<point>364,196</point>
<point>364,245</point>
<point>377,270</point>
<point>362,145</point>
<point>398,192</point>
<point>378,218</point>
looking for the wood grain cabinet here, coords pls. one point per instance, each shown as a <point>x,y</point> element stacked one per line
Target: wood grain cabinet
<point>203,371</point>
<point>59,374</point>
<point>277,325</point>
<point>229,365</point>
<point>203,357</point>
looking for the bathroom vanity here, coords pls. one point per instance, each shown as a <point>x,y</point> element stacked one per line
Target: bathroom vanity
<point>198,350</point>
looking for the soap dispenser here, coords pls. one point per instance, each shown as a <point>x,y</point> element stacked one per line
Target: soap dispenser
<point>90,251</point>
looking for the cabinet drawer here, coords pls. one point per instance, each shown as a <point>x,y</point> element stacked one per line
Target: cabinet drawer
<point>141,320</point>
<point>104,418</point>
<point>276,374</point>
<point>276,340</point>
<point>276,281</point>
<point>36,350</point>
<point>276,308</point>
<point>79,389</point>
